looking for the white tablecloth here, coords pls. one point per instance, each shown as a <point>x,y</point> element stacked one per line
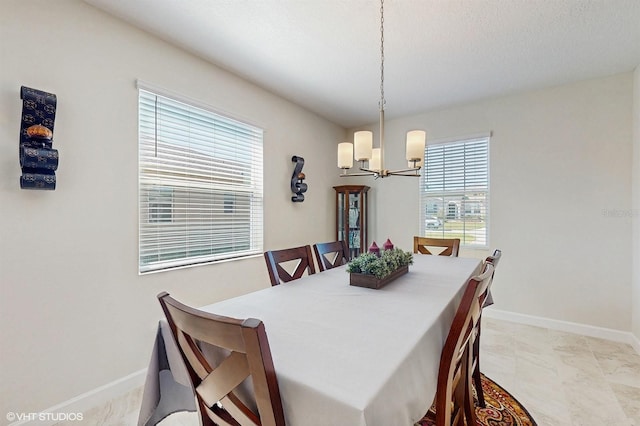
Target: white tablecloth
<point>351,356</point>
<point>167,387</point>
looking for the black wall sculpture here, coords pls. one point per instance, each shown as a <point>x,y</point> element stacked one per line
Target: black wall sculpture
<point>38,159</point>
<point>298,187</point>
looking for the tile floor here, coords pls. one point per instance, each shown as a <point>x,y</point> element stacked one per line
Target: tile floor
<point>563,379</point>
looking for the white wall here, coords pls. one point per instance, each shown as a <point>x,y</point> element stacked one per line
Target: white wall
<point>560,163</point>
<point>636,204</point>
<point>74,312</point>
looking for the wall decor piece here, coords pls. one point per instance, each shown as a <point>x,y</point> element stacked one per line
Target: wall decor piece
<point>298,187</point>
<point>38,159</point>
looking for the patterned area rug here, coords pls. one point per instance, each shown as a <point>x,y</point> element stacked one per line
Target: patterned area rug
<point>502,409</point>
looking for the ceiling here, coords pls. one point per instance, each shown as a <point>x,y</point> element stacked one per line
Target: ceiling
<point>325,54</point>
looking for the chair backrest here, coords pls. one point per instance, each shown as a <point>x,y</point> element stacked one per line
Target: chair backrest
<point>275,259</point>
<point>330,255</point>
<point>495,257</point>
<point>245,342</point>
<point>486,300</point>
<point>421,245</point>
<point>454,397</point>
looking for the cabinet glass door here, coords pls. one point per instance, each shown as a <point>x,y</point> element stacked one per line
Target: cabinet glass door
<point>354,225</point>
<point>351,217</point>
<point>340,218</point>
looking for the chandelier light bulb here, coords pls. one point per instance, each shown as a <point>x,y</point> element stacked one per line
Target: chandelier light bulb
<point>416,140</point>
<point>345,155</point>
<point>363,144</point>
<point>374,163</point>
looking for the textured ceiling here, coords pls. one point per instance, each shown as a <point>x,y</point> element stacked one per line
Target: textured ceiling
<point>325,54</point>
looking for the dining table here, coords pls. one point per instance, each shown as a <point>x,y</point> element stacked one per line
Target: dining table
<point>344,355</point>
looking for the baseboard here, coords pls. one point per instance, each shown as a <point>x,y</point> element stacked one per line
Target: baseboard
<point>635,342</point>
<point>86,401</point>
<point>566,326</point>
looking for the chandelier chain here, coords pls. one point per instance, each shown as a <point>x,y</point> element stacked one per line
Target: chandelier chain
<point>382,101</point>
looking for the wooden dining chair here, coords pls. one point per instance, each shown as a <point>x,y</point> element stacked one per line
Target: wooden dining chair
<point>422,244</point>
<point>494,259</point>
<point>331,255</point>
<point>454,395</point>
<point>275,258</point>
<point>245,342</point>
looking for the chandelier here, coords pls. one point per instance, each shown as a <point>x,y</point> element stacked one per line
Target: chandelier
<point>372,159</point>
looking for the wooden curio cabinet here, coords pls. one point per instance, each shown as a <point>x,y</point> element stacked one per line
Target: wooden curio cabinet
<point>352,217</point>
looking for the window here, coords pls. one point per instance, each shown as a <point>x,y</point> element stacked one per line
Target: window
<point>200,185</point>
<point>454,190</point>
<point>160,204</point>
<point>228,203</point>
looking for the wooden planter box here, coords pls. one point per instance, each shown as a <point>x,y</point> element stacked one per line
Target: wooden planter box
<point>370,281</point>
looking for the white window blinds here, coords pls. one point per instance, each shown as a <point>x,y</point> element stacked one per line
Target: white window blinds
<point>454,191</point>
<point>200,185</point>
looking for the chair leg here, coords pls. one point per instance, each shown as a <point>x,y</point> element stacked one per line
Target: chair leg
<point>469,406</point>
<point>477,379</point>
<point>477,383</point>
<point>205,414</point>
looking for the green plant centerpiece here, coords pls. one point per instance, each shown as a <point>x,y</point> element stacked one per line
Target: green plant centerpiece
<point>373,271</point>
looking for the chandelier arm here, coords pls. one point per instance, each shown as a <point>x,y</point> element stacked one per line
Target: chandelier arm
<point>406,173</point>
<point>358,174</point>
<point>364,169</point>
<point>408,169</point>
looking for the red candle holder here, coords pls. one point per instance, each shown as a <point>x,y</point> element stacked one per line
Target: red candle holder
<point>373,248</point>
